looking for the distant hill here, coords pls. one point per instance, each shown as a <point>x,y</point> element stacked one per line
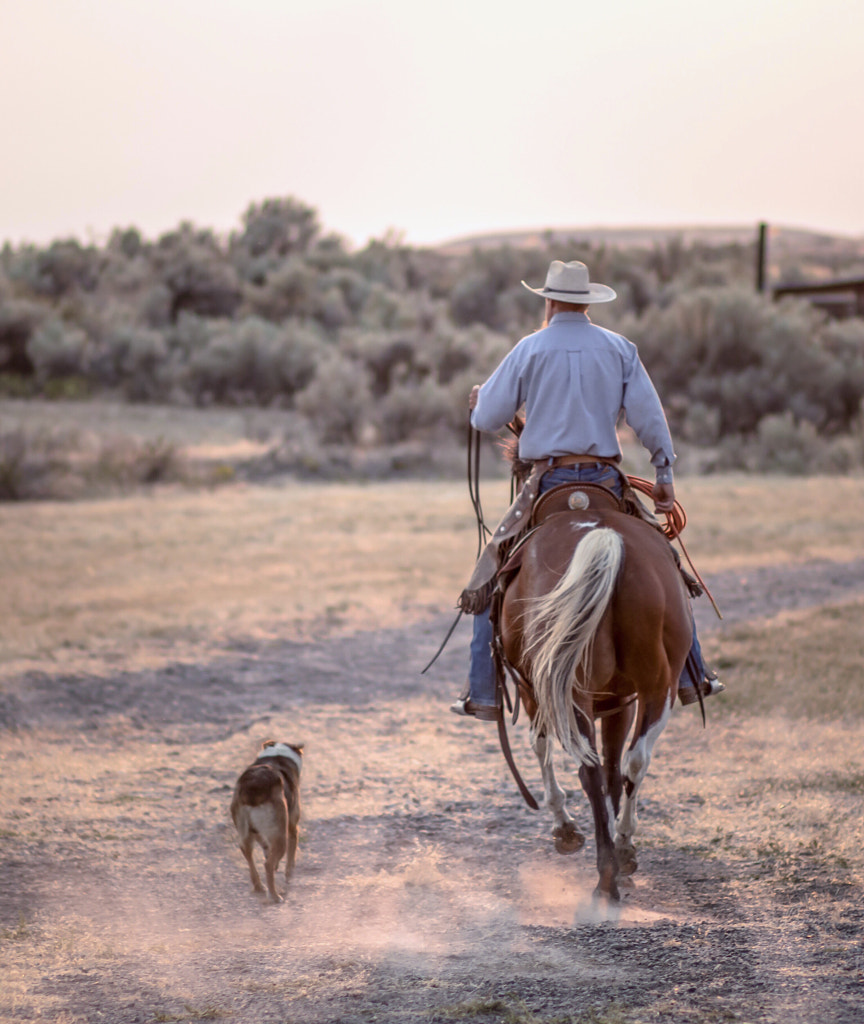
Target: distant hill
<point>784,238</point>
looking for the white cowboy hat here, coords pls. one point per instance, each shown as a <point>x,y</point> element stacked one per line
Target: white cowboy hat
<point>568,282</point>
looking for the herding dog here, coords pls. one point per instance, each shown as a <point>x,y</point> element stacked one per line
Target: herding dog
<point>266,809</point>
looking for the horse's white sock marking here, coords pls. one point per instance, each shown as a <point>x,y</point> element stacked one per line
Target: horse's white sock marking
<point>636,763</point>
<point>556,798</point>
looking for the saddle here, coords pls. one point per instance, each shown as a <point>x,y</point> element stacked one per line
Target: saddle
<point>561,500</point>
<point>575,497</point>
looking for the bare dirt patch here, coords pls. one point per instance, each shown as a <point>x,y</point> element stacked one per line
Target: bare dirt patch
<point>425,890</point>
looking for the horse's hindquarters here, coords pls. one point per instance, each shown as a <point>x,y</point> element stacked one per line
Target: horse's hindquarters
<point>597,608</point>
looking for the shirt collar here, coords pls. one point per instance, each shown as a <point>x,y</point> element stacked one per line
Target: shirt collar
<point>578,317</point>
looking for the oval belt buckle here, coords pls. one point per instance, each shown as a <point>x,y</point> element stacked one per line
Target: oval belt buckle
<point>578,500</point>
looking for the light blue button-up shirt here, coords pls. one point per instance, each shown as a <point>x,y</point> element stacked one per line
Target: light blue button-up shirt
<point>574,378</point>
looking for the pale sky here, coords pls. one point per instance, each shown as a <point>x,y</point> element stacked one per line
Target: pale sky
<point>432,119</point>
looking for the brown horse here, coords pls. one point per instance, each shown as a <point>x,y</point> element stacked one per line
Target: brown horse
<point>596,622</point>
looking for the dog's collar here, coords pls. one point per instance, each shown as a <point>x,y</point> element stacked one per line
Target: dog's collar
<point>282,750</point>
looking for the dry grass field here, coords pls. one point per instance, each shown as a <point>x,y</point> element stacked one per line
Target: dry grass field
<point>151,641</point>
<point>289,560</point>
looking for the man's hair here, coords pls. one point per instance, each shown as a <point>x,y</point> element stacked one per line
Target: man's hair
<point>570,307</point>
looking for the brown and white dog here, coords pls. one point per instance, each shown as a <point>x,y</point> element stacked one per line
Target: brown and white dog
<point>266,809</point>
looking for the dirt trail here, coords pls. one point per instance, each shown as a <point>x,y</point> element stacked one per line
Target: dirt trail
<point>425,890</point>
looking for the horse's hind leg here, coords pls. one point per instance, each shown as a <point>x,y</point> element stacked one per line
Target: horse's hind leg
<point>592,777</point>
<point>568,839</point>
<point>592,780</point>
<point>614,730</point>
<point>651,723</point>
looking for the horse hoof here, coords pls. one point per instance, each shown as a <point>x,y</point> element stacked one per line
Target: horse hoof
<point>568,839</point>
<point>627,864</point>
<point>609,896</point>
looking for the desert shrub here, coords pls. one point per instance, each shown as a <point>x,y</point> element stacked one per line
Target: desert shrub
<point>748,358</point>
<point>127,242</point>
<point>18,320</point>
<point>787,445</point>
<point>291,290</point>
<point>13,385</point>
<point>487,348</point>
<point>396,267</point>
<point>783,444</point>
<point>74,388</point>
<point>487,287</point>
<point>133,357</point>
<point>701,424</point>
<point>57,350</point>
<point>216,369</point>
<point>475,300</point>
<point>844,454</point>
<point>189,334</point>
<point>389,357</point>
<point>253,360</point>
<point>411,410</point>
<point>57,269</point>
<point>843,340</point>
<point>196,271</point>
<point>700,334</point>
<point>30,463</point>
<point>338,401</point>
<point>279,226</point>
<point>353,287</point>
<point>125,276</point>
<point>155,307</point>
<point>125,461</point>
<point>333,311</point>
<point>451,355</point>
<point>453,352</point>
<point>384,310</point>
<point>203,286</point>
<point>191,318</point>
<point>518,311</point>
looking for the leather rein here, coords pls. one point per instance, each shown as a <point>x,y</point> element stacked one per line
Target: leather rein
<point>483,533</point>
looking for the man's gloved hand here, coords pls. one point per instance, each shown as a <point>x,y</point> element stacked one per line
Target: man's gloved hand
<point>664,497</point>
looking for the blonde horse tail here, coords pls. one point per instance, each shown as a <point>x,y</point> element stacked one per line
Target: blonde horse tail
<point>562,625</point>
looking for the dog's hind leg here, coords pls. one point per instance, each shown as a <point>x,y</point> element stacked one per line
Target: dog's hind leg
<point>246,846</point>
<point>275,852</point>
<point>292,851</point>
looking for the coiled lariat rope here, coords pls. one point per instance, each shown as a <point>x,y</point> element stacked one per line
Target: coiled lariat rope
<point>676,520</point>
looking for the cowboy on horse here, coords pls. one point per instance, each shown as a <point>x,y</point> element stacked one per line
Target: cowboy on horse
<point>574,379</point>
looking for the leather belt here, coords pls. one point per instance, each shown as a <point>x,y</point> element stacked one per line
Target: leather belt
<point>553,462</point>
